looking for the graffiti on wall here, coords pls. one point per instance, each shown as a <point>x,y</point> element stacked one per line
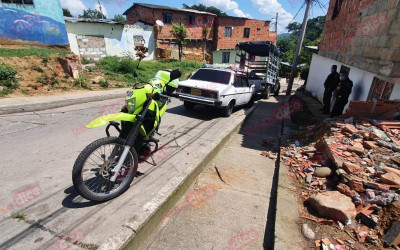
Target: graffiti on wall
<point>23,25</point>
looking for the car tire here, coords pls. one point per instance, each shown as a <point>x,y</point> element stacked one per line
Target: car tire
<point>227,111</point>
<point>188,105</point>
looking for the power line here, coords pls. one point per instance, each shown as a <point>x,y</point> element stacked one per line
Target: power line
<point>295,16</point>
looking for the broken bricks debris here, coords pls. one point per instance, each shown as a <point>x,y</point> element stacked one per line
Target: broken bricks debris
<point>364,162</point>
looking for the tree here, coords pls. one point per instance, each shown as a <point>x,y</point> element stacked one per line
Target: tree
<point>120,19</point>
<point>93,14</point>
<point>67,13</point>
<point>201,7</point>
<point>287,44</point>
<point>180,33</point>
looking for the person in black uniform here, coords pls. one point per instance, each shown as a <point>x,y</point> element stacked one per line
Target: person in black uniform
<point>330,85</point>
<point>343,92</point>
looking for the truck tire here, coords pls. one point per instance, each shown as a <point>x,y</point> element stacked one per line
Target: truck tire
<point>267,92</point>
<point>278,88</point>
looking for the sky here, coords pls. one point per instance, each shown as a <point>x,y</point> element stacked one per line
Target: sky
<point>289,10</point>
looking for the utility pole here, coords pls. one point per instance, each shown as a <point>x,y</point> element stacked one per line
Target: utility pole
<point>298,49</point>
<point>276,23</point>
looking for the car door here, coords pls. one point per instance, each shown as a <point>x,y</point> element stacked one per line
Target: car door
<point>247,90</point>
<point>239,90</point>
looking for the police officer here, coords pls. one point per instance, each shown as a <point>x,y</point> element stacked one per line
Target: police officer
<point>330,85</point>
<point>343,92</point>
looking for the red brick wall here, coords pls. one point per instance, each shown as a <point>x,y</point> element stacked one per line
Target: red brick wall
<point>151,15</point>
<point>259,31</point>
<point>365,34</point>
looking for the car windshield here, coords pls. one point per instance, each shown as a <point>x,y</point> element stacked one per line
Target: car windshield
<point>210,75</point>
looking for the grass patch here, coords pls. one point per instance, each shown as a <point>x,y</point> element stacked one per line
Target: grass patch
<point>25,92</point>
<point>104,83</point>
<point>40,52</point>
<point>18,216</point>
<point>5,91</point>
<point>46,80</point>
<point>37,68</point>
<point>82,82</point>
<point>121,69</point>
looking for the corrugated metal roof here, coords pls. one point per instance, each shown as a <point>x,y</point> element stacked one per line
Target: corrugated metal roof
<point>89,20</point>
<point>161,7</point>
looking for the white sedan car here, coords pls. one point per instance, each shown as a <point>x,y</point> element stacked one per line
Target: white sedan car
<point>217,87</point>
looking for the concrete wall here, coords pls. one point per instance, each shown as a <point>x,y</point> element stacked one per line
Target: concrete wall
<point>42,22</point>
<point>362,80</point>
<point>365,34</point>
<point>119,40</point>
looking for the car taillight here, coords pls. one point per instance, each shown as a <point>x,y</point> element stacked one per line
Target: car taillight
<point>180,89</point>
<point>210,94</point>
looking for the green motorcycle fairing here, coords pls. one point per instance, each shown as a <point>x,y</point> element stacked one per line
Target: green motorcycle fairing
<point>136,98</point>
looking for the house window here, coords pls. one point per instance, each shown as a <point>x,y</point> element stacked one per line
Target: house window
<point>225,57</point>
<point>228,31</point>
<point>337,8</point>
<point>192,20</point>
<point>30,2</point>
<point>246,33</point>
<point>167,18</point>
<point>380,89</point>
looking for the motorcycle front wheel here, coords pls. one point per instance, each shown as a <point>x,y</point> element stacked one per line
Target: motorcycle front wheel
<point>94,167</point>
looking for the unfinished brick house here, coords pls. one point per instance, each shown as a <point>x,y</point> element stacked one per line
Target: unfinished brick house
<point>363,38</point>
<point>229,31</point>
<point>197,23</point>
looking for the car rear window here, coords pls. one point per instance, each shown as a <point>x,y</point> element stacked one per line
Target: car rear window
<point>210,75</point>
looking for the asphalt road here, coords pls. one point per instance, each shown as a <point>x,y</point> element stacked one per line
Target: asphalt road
<point>38,151</point>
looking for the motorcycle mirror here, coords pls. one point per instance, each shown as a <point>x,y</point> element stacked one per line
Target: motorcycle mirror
<point>175,74</point>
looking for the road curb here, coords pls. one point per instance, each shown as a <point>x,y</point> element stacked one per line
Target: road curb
<point>287,233</point>
<point>128,238</point>
<point>39,106</point>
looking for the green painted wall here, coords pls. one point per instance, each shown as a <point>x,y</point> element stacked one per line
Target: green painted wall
<point>217,57</point>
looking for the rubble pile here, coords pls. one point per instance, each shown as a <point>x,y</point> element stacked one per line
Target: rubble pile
<point>349,172</point>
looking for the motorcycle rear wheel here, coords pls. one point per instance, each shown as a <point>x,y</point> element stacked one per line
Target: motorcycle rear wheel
<point>99,188</point>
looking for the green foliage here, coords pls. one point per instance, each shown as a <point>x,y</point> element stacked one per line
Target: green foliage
<point>37,68</point>
<point>31,51</point>
<point>121,69</point>
<point>45,58</point>
<point>202,7</point>
<point>35,87</point>
<point>82,82</point>
<point>7,76</point>
<point>6,91</point>
<point>19,216</point>
<point>7,72</point>
<point>93,14</point>
<point>90,69</point>
<point>85,60</point>
<point>104,83</point>
<point>288,44</point>
<point>67,13</point>
<point>120,19</point>
<point>180,33</point>
<point>25,92</point>
<point>46,80</point>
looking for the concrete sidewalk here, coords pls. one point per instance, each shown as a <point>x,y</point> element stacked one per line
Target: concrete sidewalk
<point>29,104</point>
<point>231,204</point>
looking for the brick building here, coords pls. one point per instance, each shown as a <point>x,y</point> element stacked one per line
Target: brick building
<point>195,21</point>
<point>229,31</point>
<point>363,38</point>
